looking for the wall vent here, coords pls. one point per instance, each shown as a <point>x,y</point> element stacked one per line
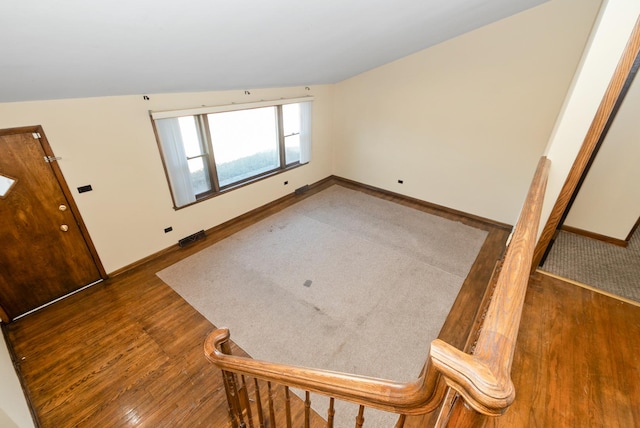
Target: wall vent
<point>191,238</point>
<point>301,190</point>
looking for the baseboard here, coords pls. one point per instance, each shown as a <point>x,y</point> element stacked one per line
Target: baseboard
<point>313,188</point>
<point>142,261</point>
<point>440,209</point>
<point>633,230</point>
<point>263,211</point>
<point>596,236</point>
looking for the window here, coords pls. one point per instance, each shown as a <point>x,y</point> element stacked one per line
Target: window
<point>210,150</point>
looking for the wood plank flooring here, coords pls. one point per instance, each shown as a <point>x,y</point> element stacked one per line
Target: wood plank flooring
<point>128,352</point>
<point>577,359</point>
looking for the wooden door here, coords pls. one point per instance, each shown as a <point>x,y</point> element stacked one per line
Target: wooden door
<point>43,251</point>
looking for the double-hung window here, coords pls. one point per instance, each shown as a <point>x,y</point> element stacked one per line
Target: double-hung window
<point>209,150</point>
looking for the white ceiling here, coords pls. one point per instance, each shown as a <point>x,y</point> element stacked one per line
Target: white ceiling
<point>83,48</point>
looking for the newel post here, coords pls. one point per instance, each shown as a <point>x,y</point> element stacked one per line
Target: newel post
<point>461,415</point>
<point>231,387</point>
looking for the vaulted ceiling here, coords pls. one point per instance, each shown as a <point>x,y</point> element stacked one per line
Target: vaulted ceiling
<point>84,48</point>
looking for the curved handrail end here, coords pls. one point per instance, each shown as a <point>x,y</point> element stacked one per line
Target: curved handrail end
<point>488,392</point>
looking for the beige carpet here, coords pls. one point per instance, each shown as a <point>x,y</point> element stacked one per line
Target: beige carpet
<point>342,281</point>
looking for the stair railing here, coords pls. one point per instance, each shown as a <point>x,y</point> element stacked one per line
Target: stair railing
<point>482,379</point>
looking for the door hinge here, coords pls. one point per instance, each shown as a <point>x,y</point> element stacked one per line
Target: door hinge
<point>36,135</point>
<point>50,159</point>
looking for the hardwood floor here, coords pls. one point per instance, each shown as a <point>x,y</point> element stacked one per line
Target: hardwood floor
<point>128,352</point>
<point>118,353</point>
<point>576,360</point>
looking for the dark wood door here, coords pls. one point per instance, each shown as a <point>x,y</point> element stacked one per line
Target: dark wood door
<point>43,251</point>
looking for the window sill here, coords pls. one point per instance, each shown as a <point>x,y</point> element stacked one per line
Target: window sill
<point>243,183</point>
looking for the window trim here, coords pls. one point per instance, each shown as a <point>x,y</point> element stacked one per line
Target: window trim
<point>167,114</point>
<point>237,185</point>
<point>203,127</point>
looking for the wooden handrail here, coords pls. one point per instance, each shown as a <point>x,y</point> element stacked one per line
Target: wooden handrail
<point>483,378</point>
<point>418,397</point>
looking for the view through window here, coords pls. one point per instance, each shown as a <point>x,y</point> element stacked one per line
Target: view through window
<point>209,153</point>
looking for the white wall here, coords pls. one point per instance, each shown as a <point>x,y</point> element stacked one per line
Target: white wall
<point>464,123</point>
<point>609,201</point>
<point>109,143</point>
<point>606,45</point>
<point>13,407</point>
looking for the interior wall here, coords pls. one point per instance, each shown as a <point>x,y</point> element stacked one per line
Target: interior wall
<point>464,123</point>
<point>609,201</point>
<point>607,42</point>
<point>109,143</point>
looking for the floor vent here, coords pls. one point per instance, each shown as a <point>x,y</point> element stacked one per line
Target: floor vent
<point>301,190</point>
<point>191,238</point>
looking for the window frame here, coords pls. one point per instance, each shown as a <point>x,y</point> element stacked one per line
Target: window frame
<point>203,129</point>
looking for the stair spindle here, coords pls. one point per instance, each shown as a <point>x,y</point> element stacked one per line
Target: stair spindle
<point>235,408</point>
<point>231,389</point>
<point>272,413</point>
<point>259,403</point>
<point>360,417</point>
<point>247,402</point>
<point>287,404</point>
<point>307,409</point>
<point>232,416</point>
<point>331,413</point>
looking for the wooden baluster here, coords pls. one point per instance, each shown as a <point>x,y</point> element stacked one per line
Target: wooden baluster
<point>331,413</point>
<point>232,415</point>
<point>360,417</point>
<point>259,403</point>
<point>272,413</point>
<point>247,402</point>
<point>384,395</point>
<point>231,388</point>
<point>307,409</point>
<point>287,405</point>
<point>401,420</point>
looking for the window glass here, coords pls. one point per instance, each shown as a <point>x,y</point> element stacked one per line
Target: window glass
<point>199,173</point>
<point>245,143</point>
<point>6,183</point>
<point>190,138</point>
<point>291,129</point>
<point>197,158</point>
<point>209,153</point>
